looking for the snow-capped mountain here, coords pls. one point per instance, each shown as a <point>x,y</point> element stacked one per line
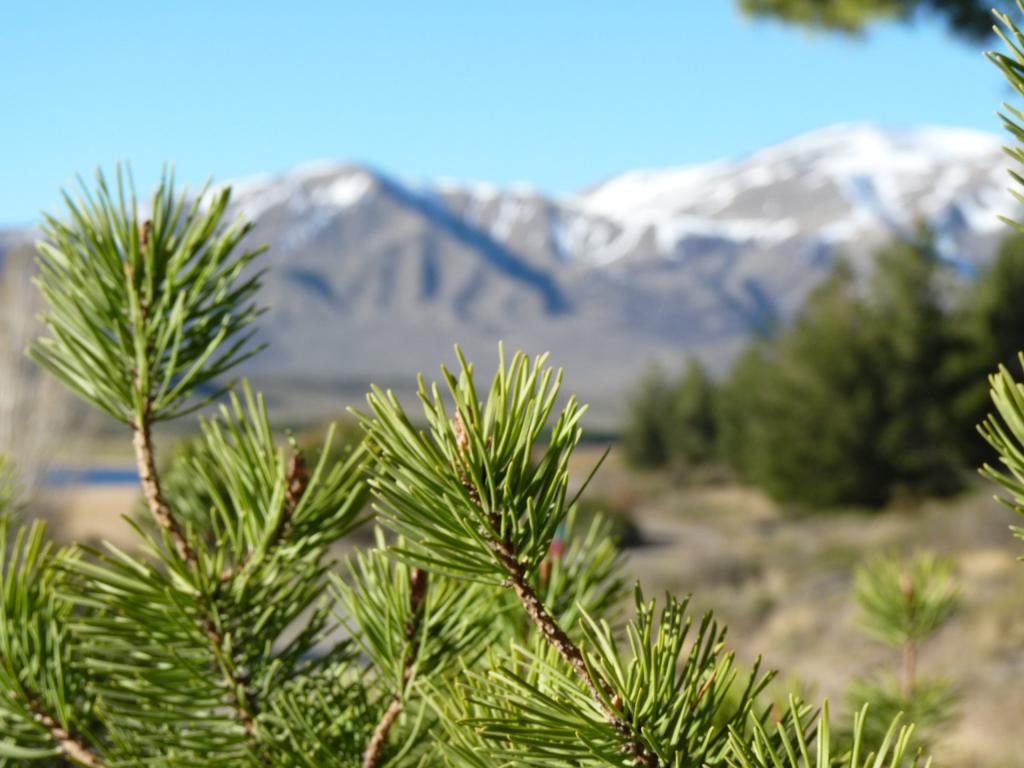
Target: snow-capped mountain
<point>375,278</point>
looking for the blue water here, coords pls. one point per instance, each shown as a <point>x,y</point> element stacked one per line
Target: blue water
<point>59,476</point>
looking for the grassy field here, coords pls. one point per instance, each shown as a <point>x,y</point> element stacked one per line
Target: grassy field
<point>782,582</point>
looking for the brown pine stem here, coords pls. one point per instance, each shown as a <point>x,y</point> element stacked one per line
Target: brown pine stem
<point>145,459</point>
<point>548,626</point>
<point>908,670</point>
<point>244,706</point>
<point>72,748</point>
<point>417,602</point>
<point>553,633</point>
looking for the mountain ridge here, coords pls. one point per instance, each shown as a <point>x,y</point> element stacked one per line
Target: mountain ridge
<point>373,277</point>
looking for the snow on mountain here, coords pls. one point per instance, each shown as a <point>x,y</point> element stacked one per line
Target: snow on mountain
<point>833,184</point>
<point>372,277</point>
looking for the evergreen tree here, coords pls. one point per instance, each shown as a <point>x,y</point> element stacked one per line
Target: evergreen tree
<point>903,604</point>
<point>991,331</point>
<point>996,317</point>
<point>645,437</point>
<point>739,397</point>
<point>671,421</point>
<point>851,403</point>
<point>916,438</point>
<point>692,429</point>
<point>807,408</point>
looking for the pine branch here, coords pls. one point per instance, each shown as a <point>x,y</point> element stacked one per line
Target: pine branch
<point>548,626</point>
<point>296,482</point>
<point>553,633</point>
<point>72,748</point>
<point>417,602</point>
<point>244,704</point>
<point>145,460</point>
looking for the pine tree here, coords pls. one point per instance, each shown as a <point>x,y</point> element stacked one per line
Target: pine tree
<point>806,408</point>
<point>672,421</point>
<point>851,404</point>
<point>645,437</point>
<point>484,629</point>
<point>903,604</point>
<point>692,434</point>
<point>912,337</point>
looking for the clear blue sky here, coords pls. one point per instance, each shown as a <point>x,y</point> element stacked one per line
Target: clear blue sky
<point>557,93</point>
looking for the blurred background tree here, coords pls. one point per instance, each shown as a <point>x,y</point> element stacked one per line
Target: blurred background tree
<point>904,603</point>
<point>870,394</point>
<point>671,421</point>
<point>970,20</point>
<point>990,326</point>
<point>692,407</point>
<point>645,436</point>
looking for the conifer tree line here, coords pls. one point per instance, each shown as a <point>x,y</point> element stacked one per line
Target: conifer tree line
<point>872,392</point>
<point>485,628</point>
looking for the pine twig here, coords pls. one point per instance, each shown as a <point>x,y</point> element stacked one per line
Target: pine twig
<point>553,633</point>
<point>417,602</point>
<point>73,749</point>
<point>145,460</point>
<point>599,688</point>
<point>246,707</point>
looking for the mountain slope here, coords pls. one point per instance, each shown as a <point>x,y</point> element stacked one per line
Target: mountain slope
<point>373,278</point>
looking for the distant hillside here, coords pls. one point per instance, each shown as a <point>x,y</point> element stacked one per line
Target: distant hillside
<point>373,279</point>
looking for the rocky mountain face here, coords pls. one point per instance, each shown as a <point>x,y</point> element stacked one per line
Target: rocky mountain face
<point>374,279</point>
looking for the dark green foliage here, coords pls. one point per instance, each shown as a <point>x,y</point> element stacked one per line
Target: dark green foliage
<point>645,438</point>
<point>812,406</point>
<point>850,405</point>
<point>692,439</point>
<point>739,396</point>
<point>671,421</point>
<point>916,438</point>
<point>996,316</point>
<point>990,332</point>
<point>970,19</point>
